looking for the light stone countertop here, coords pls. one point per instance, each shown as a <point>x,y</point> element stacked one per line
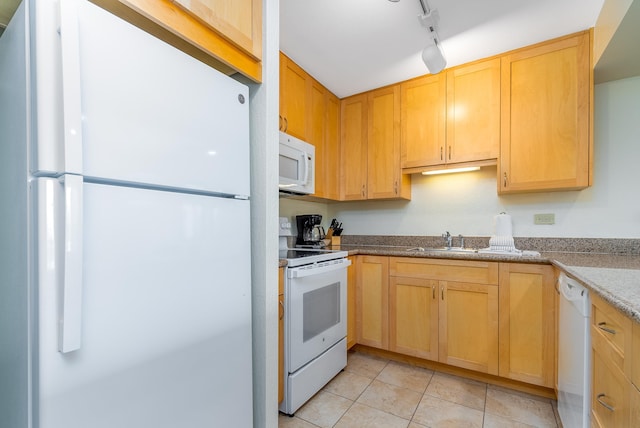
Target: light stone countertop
<point>613,277</point>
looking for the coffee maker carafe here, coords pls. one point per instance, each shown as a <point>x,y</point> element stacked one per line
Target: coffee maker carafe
<point>310,233</point>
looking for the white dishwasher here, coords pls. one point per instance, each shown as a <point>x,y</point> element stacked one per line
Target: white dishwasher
<point>574,354</point>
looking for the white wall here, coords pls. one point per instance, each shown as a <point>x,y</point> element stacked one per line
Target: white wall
<point>466,203</point>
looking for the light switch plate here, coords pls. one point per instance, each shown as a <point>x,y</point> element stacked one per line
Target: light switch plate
<point>544,218</point>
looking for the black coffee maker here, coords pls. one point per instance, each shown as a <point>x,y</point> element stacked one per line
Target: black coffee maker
<point>310,233</point>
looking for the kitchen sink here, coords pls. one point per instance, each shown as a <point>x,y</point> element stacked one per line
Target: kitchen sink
<point>444,249</point>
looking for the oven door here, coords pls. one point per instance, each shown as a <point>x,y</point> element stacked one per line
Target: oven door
<point>317,310</point>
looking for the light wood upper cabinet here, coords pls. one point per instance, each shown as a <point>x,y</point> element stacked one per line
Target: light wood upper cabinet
<point>331,166</point>
<point>239,20</point>
<point>311,113</point>
<point>226,34</point>
<point>423,112</point>
<point>384,177</point>
<point>353,169</point>
<point>473,112</point>
<point>295,105</point>
<point>527,323</point>
<point>546,117</point>
<point>452,117</point>
<point>370,169</point>
<point>372,301</point>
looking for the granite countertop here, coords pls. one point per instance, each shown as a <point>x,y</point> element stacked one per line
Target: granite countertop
<point>612,276</point>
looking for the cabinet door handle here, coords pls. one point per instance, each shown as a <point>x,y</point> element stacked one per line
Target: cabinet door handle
<point>449,152</point>
<point>441,158</point>
<point>395,188</point>
<point>601,326</point>
<point>363,193</point>
<point>605,405</point>
<point>286,124</point>
<point>281,309</point>
<point>505,179</point>
<point>433,292</point>
<point>280,123</point>
<point>442,293</point>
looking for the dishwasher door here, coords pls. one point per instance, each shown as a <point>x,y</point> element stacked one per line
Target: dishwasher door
<point>574,354</point>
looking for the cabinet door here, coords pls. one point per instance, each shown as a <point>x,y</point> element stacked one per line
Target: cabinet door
<point>384,178</point>
<point>293,98</point>
<point>316,134</point>
<point>230,40</point>
<point>473,112</point>
<point>610,391</point>
<point>468,334</point>
<point>332,148</point>
<point>546,112</point>
<point>280,335</point>
<point>423,111</point>
<point>413,317</point>
<point>372,301</point>
<point>351,303</point>
<point>353,170</point>
<point>527,323</point>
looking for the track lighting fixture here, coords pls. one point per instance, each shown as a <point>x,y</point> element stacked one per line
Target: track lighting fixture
<point>432,55</point>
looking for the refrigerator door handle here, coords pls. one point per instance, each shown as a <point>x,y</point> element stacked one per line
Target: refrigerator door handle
<point>71,87</point>
<point>70,327</point>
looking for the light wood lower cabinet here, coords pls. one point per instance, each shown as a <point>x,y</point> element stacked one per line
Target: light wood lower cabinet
<point>445,310</point>
<point>351,303</point>
<point>469,326</point>
<point>495,318</point>
<point>372,301</point>
<point>280,334</point>
<point>527,323</point>
<point>413,318</point>
<point>612,358</point>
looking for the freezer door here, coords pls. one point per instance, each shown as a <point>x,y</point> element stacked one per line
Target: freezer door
<point>148,113</point>
<point>166,311</point>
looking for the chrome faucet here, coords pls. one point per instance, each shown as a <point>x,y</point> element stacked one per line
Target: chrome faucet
<point>447,237</point>
<point>461,240</point>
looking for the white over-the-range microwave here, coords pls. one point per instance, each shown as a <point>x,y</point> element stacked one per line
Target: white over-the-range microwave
<point>297,166</point>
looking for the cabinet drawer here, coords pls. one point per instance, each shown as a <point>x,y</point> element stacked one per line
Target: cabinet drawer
<point>635,360</point>
<point>610,396</point>
<point>611,332</point>
<point>477,272</point>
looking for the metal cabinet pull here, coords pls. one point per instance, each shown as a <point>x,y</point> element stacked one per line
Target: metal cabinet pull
<point>363,194</point>
<point>605,405</point>
<point>441,158</point>
<point>395,188</point>
<point>281,309</point>
<point>442,293</point>
<point>505,179</point>
<point>433,292</point>
<point>279,123</point>
<point>449,152</point>
<point>286,124</point>
<point>601,326</point>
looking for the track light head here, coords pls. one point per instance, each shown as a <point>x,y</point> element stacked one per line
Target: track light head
<point>434,58</point>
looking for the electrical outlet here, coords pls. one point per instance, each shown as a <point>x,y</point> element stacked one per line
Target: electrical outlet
<point>544,218</point>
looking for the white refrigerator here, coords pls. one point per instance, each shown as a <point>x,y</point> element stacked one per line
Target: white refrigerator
<point>125,271</point>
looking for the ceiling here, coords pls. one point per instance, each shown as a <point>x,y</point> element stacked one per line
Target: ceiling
<point>351,46</point>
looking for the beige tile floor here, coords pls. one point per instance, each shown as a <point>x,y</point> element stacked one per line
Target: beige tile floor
<point>372,392</point>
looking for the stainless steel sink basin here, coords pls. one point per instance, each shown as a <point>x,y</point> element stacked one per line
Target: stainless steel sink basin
<point>444,249</point>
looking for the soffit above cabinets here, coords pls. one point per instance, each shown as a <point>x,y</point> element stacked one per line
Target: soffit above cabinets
<point>620,57</point>
<point>7,9</point>
<point>357,45</point>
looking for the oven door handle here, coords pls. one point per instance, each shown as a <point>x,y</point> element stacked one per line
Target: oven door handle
<point>316,269</point>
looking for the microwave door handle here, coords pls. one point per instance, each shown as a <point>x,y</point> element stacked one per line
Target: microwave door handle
<point>306,167</point>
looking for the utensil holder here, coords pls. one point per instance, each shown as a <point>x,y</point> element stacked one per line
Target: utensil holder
<point>335,241</point>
